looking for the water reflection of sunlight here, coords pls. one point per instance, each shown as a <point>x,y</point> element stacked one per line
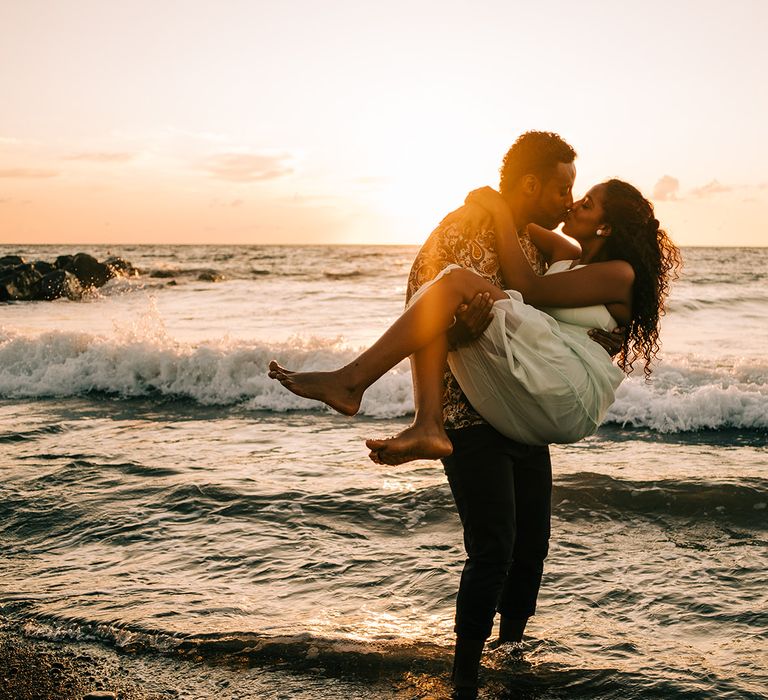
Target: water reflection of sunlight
<point>369,625</point>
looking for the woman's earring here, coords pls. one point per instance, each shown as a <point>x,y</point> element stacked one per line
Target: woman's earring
<point>599,232</point>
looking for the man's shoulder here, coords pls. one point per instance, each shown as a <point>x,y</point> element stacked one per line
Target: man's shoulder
<point>464,237</point>
<point>466,226</point>
<point>469,219</point>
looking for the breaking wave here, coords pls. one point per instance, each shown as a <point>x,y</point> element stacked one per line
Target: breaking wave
<point>684,394</point>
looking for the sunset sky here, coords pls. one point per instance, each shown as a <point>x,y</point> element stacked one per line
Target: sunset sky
<point>359,122</point>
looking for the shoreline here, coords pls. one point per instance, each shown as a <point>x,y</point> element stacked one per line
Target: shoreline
<point>35,669</point>
<point>42,669</point>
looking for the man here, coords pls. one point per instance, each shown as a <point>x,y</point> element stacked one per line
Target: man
<point>502,489</point>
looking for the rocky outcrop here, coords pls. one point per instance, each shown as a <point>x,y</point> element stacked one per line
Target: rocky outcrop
<point>68,276</point>
<point>59,283</point>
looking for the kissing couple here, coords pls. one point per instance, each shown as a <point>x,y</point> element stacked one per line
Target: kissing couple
<point>512,330</point>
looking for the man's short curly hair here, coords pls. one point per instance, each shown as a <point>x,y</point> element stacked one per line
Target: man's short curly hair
<point>534,153</point>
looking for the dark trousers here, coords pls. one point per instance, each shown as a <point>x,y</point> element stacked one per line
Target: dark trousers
<point>502,491</point>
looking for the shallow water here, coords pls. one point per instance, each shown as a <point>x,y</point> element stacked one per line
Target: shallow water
<point>159,494</point>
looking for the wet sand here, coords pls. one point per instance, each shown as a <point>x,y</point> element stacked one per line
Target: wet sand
<point>37,669</point>
<point>33,669</point>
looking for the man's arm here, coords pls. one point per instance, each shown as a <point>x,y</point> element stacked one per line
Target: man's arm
<point>554,246</point>
<point>436,254</point>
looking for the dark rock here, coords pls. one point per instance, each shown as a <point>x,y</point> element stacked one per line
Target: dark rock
<point>63,261</point>
<point>162,274</point>
<point>59,283</point>
<point>11,261</point>
<point>44,268</point>
<point>19,283</point>
<point>67,277</point>
<point>100,695</point>
<point>121,267</point>
<point>210,276</point>
<point>89,271</point>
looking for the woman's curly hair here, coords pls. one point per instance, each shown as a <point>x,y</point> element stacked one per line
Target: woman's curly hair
<point>637,238</point>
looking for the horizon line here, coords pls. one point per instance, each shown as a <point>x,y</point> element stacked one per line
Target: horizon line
<point>304,245</point>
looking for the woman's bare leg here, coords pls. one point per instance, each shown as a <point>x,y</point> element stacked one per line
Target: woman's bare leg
<point>425,438</point>
<point>425,320</point>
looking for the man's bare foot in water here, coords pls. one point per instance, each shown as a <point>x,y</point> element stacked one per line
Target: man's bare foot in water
<point>327,387</point>
<point>415,442</point>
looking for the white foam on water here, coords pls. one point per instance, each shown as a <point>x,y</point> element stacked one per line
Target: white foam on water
<point>687,393</point>
<point>140,359</point>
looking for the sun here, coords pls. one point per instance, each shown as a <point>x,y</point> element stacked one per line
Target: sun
<point>418,196</point>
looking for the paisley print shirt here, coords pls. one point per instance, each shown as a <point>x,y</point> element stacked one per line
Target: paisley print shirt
<point>465,237</point>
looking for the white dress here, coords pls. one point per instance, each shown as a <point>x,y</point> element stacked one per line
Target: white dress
<point>535,375</point>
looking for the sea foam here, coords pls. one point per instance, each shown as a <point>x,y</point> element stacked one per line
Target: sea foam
<point>223,372</point>
<point>683,395</point>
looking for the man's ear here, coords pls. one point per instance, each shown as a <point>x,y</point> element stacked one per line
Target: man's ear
<point>531,185</point>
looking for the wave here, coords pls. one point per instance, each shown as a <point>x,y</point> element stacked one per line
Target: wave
<point>300,651</point>
<point>731,304</point>
<point>30,434</point>
<point>743,502</point>
<point>233,272</point>
<point>62,364</point>
<point>685,394</point>
<point>361,513</point>
<point>574,495</point>
<point>402,668</point>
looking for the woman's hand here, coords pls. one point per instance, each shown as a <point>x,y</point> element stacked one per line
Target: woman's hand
<point>490,200</point>
<point>612,342</point>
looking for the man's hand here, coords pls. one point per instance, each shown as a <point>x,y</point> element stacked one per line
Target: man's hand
<point>490,200</point>
<point>469,216</point>
<point>610,342</point>
<point>471,321</point>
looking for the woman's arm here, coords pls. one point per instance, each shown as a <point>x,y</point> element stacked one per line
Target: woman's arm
<point>554,246</point>
<point>598,283</point>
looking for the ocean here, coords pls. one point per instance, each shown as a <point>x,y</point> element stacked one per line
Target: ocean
<point>160,495</point>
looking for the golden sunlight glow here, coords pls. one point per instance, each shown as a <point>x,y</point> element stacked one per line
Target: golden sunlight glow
<point>353,125</point>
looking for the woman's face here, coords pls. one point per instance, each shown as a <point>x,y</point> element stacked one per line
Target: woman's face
<point>586,215</point>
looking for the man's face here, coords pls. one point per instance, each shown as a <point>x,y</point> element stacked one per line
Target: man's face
<point>556,196</point>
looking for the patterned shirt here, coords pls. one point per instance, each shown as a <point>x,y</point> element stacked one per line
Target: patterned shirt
<point>465,237</point>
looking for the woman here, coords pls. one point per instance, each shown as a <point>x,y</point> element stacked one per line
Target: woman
<point>533,374</point>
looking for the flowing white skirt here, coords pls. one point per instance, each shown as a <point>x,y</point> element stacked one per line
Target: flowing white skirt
<point>534,378</point>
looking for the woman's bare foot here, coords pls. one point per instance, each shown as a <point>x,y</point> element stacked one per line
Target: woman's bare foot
<point>327,387</point>
<point>415,442</point>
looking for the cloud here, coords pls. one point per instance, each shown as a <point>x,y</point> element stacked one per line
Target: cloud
<point>249,167</point>
<point>102,157</point>
<point>27,173</point>
<point>710,188</point>
<point>666,188</point>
